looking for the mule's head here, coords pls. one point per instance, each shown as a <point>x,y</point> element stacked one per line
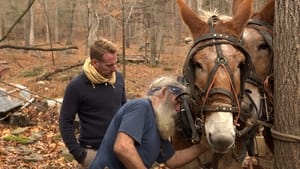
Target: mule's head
<point>215,70</point>
<point>257,39</point>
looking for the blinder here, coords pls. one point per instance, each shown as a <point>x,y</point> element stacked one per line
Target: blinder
<point>266,35</point>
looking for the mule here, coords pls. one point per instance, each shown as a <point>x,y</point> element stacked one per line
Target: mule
<point>257,104</point>
<point>257,38</point>
<point>215,70</point>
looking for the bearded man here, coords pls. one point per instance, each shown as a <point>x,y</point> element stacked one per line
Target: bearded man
<point>138,135</point>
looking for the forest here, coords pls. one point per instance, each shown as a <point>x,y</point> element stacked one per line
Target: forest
<point>148,24</point>
<point>43,44</point>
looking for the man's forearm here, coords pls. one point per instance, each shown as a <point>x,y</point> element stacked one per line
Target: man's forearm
<point>127,153</point>
<point>187,155</point>
<point>131,160</point>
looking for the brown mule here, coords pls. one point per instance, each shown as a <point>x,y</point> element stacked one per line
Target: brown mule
<point>215,70</point>
<point>258,98</point>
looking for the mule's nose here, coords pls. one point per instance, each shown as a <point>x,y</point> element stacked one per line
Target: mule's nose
<point>246,107</point>
<point>221,142</point>
<point>248,113</point>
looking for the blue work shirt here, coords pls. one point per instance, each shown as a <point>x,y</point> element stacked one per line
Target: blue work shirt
<point>136,118</point>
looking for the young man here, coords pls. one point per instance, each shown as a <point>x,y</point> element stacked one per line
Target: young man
<point>139,132</point>
<point>95,96</point>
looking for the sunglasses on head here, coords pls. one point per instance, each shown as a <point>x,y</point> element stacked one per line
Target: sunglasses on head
<point>175,90</point>
<point>172,89</point>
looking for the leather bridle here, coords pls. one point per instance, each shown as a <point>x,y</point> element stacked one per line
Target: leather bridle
<point>216,39</point>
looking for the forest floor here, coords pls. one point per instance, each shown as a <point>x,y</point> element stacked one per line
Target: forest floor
<point>37,144</point>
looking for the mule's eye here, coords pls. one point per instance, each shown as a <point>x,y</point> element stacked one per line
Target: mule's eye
<point>263,46</point>
<point>248,91</point>
<point>198,66</point>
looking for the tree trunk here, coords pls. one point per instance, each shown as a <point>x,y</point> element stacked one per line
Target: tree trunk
<point>45,6</point>
<point>70,28</point>
<point>48,28</point>
<point>93,24</point>
<point>27,20</point>
<point>29,28</point>
<point>56,37</point>
<point>287,88</point>
<point>1,21</point>
<point>2,27</point>
<point>153,53</point>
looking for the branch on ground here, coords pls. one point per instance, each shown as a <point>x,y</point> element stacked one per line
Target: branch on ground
<point>35,48</point>
<point>49,74</point>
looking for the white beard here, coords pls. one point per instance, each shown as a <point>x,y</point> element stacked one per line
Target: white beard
<point>165,118</point>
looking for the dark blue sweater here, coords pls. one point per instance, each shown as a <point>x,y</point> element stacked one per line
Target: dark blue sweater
<point>95,107</point>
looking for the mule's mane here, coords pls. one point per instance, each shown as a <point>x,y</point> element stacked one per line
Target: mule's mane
<point>205,15</point>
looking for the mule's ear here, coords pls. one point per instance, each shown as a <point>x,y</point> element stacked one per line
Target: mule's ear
<point>242,12</point>
<point>196,26</point>
<point>267,13</point>
<point>235,5</point>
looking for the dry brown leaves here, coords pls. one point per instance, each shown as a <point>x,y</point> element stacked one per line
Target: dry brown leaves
<point>46,149</point>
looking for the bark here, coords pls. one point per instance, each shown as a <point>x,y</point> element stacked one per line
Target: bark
<point>93,24</point>
<point>70,27</point>
<point>48,29</point>
<point>31,30</point>
<point>2,20</point>
<point>287,88</point>
<point>153,53</point>
<point>27,21</point>
<point>56,37</point>
<point>46,17</point>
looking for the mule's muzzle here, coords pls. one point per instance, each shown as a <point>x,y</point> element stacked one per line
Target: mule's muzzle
<point>221,143</point>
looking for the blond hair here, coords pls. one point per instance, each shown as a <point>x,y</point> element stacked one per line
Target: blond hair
<point>101,47</point>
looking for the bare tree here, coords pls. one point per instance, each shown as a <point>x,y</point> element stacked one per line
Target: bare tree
<point>56,37</point>
<point>286,130</point>
<point>92,24</point>
<point>70,26</point>
<point>29,27</point>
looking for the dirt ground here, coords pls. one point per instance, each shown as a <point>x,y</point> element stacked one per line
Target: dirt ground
<point>41,146</point>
